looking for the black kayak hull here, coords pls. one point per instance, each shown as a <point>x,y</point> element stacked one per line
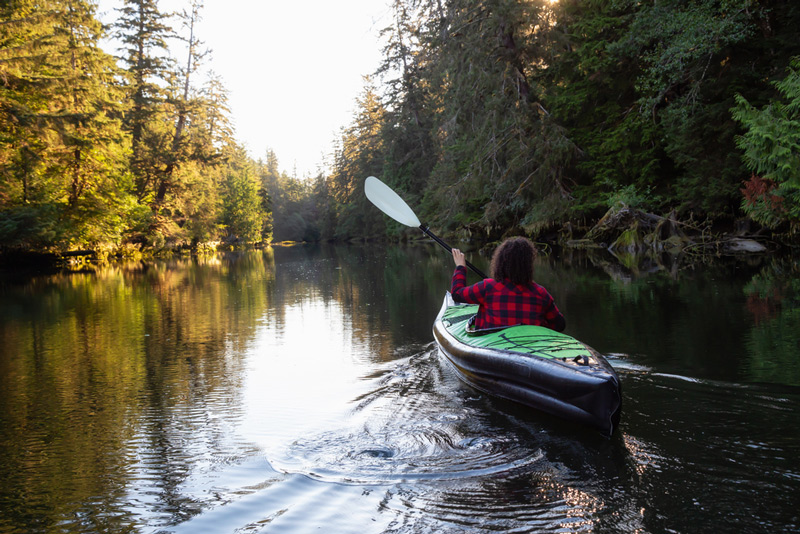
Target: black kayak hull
<point>584,391</point>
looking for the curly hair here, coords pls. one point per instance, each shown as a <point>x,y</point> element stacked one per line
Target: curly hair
<point>513,260</point>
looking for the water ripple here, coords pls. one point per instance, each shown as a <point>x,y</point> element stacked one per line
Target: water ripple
<point>394,435</point>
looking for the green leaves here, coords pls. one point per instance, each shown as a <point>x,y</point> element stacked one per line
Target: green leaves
<point>771,150</point>
<point>91,155</point>
<point>675,42</point>
<point>63,154</point>
<point>242,214</point>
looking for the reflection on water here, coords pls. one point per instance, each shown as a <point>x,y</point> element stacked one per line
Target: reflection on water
<point>297,389</point>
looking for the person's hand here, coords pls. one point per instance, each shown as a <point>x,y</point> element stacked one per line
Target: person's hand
<point>458,258</point>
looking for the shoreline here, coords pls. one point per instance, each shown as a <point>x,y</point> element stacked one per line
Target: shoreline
<point>623,232</point>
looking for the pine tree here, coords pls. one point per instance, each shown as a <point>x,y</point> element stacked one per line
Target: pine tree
<point>173,124</point>
<point>65,146</point>
<point>182,98</point>
<point>214,112</point>
<point>410,150</point>
<point>143,31</point>
<point>242,214</point>
<point>360,154</point>
<point>502,156</point>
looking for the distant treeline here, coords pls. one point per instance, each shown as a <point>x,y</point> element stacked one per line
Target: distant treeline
<point>489,117</point>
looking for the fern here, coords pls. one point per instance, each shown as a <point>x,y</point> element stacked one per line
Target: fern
<point>771,150</point>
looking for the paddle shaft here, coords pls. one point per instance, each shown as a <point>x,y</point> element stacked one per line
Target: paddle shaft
<point>448,248</point>
<point>390,203</point>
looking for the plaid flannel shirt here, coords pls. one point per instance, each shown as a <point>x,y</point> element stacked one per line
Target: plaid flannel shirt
<point>503,303</point>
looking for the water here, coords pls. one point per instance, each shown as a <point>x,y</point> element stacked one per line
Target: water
<point>298,390</point>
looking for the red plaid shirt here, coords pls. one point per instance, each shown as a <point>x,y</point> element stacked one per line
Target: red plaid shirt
<point>503,303</point>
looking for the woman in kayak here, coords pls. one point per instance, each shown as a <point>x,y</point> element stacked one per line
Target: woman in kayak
<point>511,297</point>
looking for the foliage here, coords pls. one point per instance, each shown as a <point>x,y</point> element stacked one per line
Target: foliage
<point>294,216</point>
<point>507,116</point>
<point>143,32</point>
<point>91,154</point>
<point>771,150</point>
<point>242,207</point>
<point>360,154</point>
<point>645,89</point>
<point>498,143</point>
<point>489,117</point>
<point>629,197</point>
<point>62,155</point>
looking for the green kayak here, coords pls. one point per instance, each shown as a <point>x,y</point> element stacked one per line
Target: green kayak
<point>531,365</point>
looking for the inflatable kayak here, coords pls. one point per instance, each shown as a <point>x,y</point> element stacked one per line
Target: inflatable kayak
<point>532,365</point>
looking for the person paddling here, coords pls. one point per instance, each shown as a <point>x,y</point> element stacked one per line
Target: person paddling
<point>510,297</point>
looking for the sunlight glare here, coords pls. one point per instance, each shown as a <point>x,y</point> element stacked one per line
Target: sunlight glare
<point>311,344</point>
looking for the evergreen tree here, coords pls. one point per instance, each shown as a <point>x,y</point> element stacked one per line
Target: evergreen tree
<point>64,152</point>
<point>182,138</point>
<point>289,204</point>
<point>360,154</point>
<point>502,156</point>
<point>242,213</point>
<point>410,150</point>
<point>645,90</point>
<point>182,99</point>
<point>687,53</point>
<point>589,91</point>
<point>143,31</point>
<point>213,116</point>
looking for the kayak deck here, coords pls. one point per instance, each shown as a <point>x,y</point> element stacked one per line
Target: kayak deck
<point>532,365</point>
<point>536,341</point>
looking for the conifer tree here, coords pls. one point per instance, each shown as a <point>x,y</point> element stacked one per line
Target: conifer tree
<point>410,150</point>
<point>242,212</point>
<point>214,113</point>
<point>360,154</point>
<point>143,31</point>
<point>65,145</point>
<point>502,155</point>
<point>182,98</point>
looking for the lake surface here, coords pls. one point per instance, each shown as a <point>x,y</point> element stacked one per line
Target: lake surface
<point>298,389</point>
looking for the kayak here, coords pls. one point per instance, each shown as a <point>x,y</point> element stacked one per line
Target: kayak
<point>531,365</point>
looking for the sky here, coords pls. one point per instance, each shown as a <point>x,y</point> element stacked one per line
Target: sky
<point>293,68</point>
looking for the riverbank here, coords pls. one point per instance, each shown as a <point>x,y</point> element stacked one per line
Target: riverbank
<point>84,258</point>
<point>626,233</point>
<point>627,230</point>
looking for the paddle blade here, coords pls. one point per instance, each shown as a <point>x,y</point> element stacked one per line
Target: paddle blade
<point>389,202</point>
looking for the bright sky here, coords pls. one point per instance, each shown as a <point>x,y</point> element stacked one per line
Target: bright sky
<point>293,69</point>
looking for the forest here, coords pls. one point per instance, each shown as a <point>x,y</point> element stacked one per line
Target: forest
<point>493,117</point>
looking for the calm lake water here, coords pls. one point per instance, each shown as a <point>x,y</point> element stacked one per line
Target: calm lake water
<point>298,390</point>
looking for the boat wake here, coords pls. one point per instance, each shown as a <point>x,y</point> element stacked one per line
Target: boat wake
<point>419,451</point>
<point>620,362</point>
<point>416,423</point>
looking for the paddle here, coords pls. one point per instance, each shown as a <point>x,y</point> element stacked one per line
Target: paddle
<point>390,203</point>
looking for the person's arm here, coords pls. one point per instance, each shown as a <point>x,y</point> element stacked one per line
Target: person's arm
<point>554,319</point>
<point>545,310</point>
<point>458,287</point>
<point>559,324</point>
